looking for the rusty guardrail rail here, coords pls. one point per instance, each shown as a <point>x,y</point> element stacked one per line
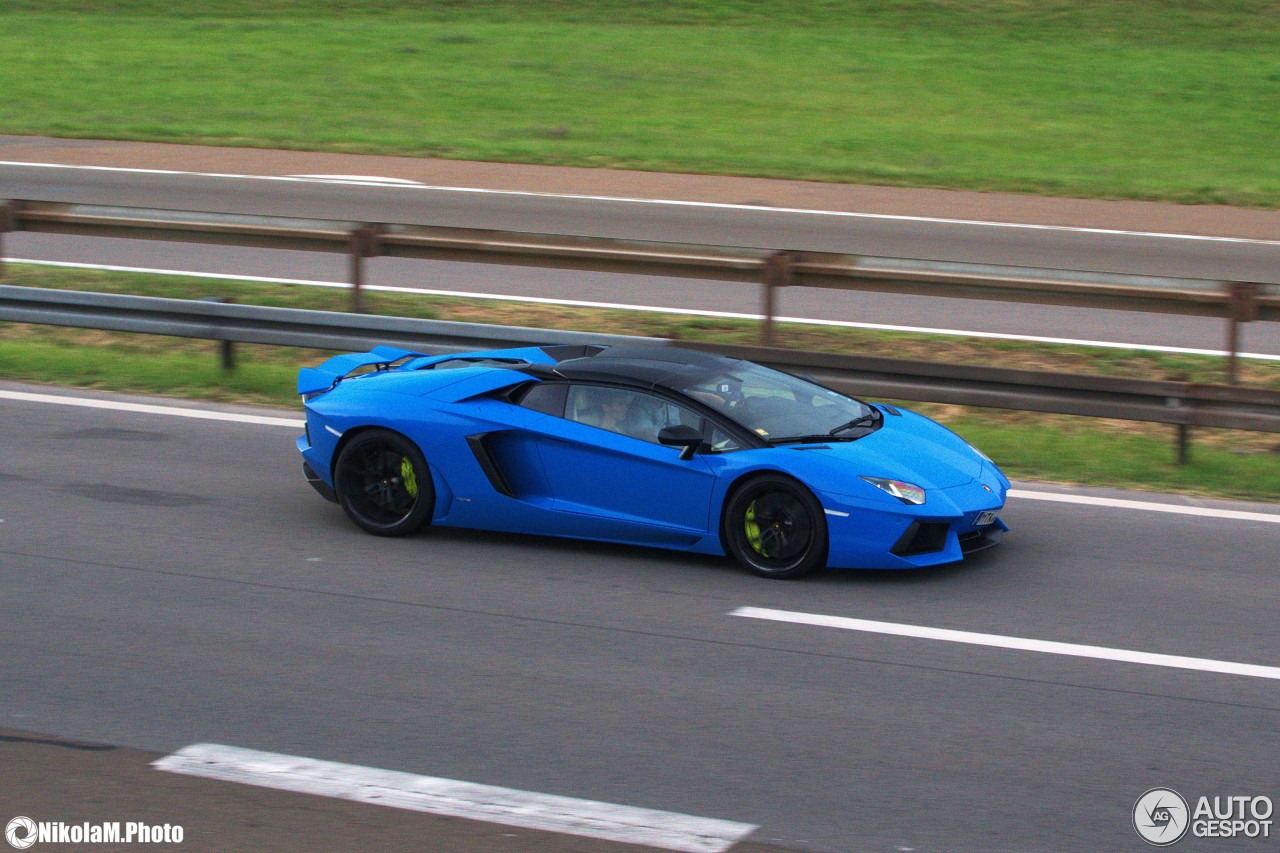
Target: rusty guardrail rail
<point>1181,404</point>
<point>1232,301</point>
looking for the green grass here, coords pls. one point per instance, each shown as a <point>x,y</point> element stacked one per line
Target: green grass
<point>1171,100</point>
<point>1074,450</point>
<point>185,369</point>
<point>1030,446</point>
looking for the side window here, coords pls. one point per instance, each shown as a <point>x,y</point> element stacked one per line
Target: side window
<point>632,413</point>
<point>546,397</point>
<point>612,409</point>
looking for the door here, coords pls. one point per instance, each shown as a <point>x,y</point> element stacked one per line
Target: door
<point>606,466</point>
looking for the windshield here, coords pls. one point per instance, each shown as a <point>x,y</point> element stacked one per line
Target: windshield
<point>779,407</point>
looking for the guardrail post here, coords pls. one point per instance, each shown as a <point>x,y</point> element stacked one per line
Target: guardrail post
<point>1182,431</point>
<point>364,244</point>
<point>1184,443</point>
<point>8,222</point>
<point>1244,309</point>
<point>226,348</point>
<point>777,274</point>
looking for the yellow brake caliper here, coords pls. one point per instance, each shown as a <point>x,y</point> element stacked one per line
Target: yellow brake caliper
<point>407,477</point>
<point>753,531</point>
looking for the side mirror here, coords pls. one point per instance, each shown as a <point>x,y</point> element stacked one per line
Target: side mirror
<point>683,436</point>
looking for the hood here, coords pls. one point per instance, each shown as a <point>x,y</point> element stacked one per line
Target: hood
<point>907,447</point>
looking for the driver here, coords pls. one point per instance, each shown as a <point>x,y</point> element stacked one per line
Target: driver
<point>621,412</point>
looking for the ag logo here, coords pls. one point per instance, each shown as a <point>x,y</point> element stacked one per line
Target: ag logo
<point>1161,817</point>
<point>20,833</point>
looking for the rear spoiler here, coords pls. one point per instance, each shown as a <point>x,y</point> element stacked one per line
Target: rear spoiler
<point>314,380</point>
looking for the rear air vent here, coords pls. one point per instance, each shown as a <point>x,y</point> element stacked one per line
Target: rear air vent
<point>565,352</point>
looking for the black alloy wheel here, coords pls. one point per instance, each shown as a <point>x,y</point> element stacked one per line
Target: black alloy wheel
<point>775,527</point>
<point>383,483</point>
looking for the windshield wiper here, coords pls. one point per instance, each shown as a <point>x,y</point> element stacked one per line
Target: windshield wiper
<point>820,438</point>
<point>862,420</point>
<point>869,419</point>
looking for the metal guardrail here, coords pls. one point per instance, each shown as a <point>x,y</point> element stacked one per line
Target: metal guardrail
<point>1235,302</point>
<point>1178,403</point>
<point>257,324</point>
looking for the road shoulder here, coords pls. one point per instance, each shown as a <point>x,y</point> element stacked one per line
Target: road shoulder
<point>1123,215</point>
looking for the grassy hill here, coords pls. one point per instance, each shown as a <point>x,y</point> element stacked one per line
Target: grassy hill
<point>1174,100</point>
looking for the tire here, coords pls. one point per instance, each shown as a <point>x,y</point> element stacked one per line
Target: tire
<point>383,483</point>
<point>775,527</point>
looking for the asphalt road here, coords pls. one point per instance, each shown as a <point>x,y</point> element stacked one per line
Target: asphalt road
<point>1098,237</point>
<point>172,581</point>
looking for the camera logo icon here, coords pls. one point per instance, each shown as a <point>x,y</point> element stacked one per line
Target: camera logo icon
<point>20,833</point>
<point>1161,817</point>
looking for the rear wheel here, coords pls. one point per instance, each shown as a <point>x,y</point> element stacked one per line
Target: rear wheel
<point>383,483</point>
<point>775,527</point>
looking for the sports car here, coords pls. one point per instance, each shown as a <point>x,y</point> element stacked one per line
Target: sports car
<point>644,445</point>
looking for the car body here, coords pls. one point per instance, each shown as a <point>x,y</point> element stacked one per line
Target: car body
<point>644,445</point>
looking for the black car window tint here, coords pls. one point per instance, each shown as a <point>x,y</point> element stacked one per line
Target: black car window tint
<point>546,397</point>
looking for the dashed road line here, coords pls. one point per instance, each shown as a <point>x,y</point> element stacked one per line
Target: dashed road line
<point>1016,643</point>
<point>506,806</point>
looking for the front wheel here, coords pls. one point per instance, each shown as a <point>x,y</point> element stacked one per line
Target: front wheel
<point>775,527</point>
<point>383,483</point>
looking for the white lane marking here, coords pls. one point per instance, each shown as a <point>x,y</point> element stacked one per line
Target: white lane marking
<point>360,180</point>
<point>710,205</point>
<point>232,417</point>
<point>545,812</point>
<point>616,306</point>
<point>174,411</point>
<point>1146,506</point>
<point>1015,643</point>
<point>147,409</point>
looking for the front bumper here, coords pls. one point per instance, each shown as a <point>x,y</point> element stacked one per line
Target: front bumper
<point>942,530</point>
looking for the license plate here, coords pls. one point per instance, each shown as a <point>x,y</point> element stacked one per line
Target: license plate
<point>986,518</point>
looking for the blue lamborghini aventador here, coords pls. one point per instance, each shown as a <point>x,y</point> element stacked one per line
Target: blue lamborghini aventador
<point>644,445</point>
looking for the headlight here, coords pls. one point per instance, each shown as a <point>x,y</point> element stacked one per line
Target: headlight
<point>908,493</point>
